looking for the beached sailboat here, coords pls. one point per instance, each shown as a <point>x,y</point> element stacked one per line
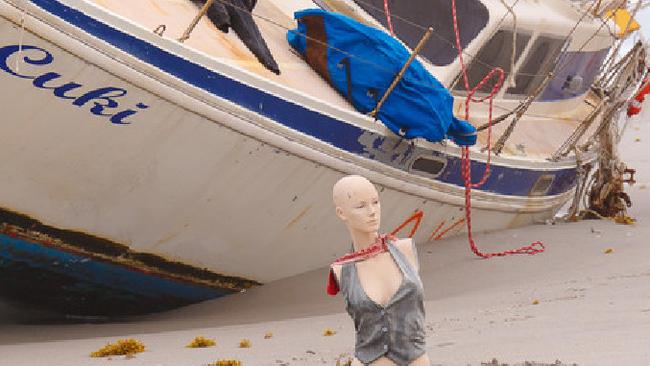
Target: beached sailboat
<point>142,173</point>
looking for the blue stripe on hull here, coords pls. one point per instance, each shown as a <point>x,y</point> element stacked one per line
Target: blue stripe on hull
<point>504,179</point>
<point>74,284</point>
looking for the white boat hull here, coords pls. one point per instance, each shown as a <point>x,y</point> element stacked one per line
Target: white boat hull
<point>191,177</point>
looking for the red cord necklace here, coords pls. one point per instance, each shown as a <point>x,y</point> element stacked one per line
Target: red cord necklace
<point>379,246</point>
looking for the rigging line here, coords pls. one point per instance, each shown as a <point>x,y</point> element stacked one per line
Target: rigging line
<point>389,20</point>
<point>511,81</point>
<point>560,66</point>
<point>558,69</point>
<point>369,62</point>
<point>609,58</point>
<point>448,42</point>
<point>627,27</point>
<point>21,35</point>
<point>567,62</point>
<point>325,44</point>
<point>497,27</point>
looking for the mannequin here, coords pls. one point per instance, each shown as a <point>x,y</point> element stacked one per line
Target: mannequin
<point>381,274</point>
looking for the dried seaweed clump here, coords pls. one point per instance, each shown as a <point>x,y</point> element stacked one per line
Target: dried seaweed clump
<point>345,363</point>
<point>268,335</point>
<point>328,332</point>
<point>245,343</point>
<point>201,342</point>
<point>121,347</point>
<point>624,220</point>
<point>495,362</point>
<point>227,363</point>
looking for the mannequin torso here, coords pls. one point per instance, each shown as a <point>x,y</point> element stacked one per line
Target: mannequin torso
<point>380,278</point>
<point>373,278</point>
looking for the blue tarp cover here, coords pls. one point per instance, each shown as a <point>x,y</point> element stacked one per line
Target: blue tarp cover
<point>361,62</point>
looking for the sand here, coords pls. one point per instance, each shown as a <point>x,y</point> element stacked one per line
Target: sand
<point>573,303</point>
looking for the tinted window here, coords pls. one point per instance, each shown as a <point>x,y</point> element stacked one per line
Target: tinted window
<point>496,53</point>
<point>410,18</point>
<point>540,61</point>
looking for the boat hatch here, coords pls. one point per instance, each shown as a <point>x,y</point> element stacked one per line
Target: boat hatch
<point>428,166</point>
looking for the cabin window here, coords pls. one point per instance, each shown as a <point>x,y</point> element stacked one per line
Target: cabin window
<point>410,18</point>
<point>429,166</point>
<point>497,52</point>
<point>540,61</point>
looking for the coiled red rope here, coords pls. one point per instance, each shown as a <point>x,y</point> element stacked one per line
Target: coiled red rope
<point>534,248</point>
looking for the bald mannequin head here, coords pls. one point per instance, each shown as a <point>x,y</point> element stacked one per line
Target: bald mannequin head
<point>357,204</point>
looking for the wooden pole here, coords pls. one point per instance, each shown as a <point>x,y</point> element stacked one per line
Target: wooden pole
<point>401,73</point>
<point>195,21</point>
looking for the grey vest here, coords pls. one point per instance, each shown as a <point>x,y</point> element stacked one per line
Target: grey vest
<point>395,330</point>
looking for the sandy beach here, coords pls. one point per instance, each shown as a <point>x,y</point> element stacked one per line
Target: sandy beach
<point>574,303</point>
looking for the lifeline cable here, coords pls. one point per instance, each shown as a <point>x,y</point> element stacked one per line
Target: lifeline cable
<point>379,66</point>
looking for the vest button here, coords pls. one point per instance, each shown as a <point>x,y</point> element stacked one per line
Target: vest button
<point>384,329</point>
<point>385,346</point>
<point>383,312</point>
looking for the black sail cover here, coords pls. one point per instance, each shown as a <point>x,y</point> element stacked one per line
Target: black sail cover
<point>237,14</point>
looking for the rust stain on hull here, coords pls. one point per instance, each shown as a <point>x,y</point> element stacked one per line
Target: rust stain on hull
<point>19,225</point>
<point>297,218</point>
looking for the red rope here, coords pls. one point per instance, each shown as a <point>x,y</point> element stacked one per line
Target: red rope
<point>388,18</point>
<point>379,246</point>
<point>534,248</point>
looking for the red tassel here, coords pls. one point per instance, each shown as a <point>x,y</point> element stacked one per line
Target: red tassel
<point>332,284</point>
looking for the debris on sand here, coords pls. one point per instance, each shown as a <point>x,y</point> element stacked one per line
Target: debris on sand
<point>268,335</point>
<point>328,332</point>
<point>226,363</point>
<point>495,362</point>
<point>624,220</point>
<point>245,343</point>
<point>344,363</point>
<point>201,342</point>
<point>121,347</point>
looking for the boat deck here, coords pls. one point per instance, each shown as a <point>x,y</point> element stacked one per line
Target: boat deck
<point>176,15</point>
<point>536,137</point>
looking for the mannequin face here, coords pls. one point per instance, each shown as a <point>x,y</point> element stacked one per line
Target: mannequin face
<point>357,204</point>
